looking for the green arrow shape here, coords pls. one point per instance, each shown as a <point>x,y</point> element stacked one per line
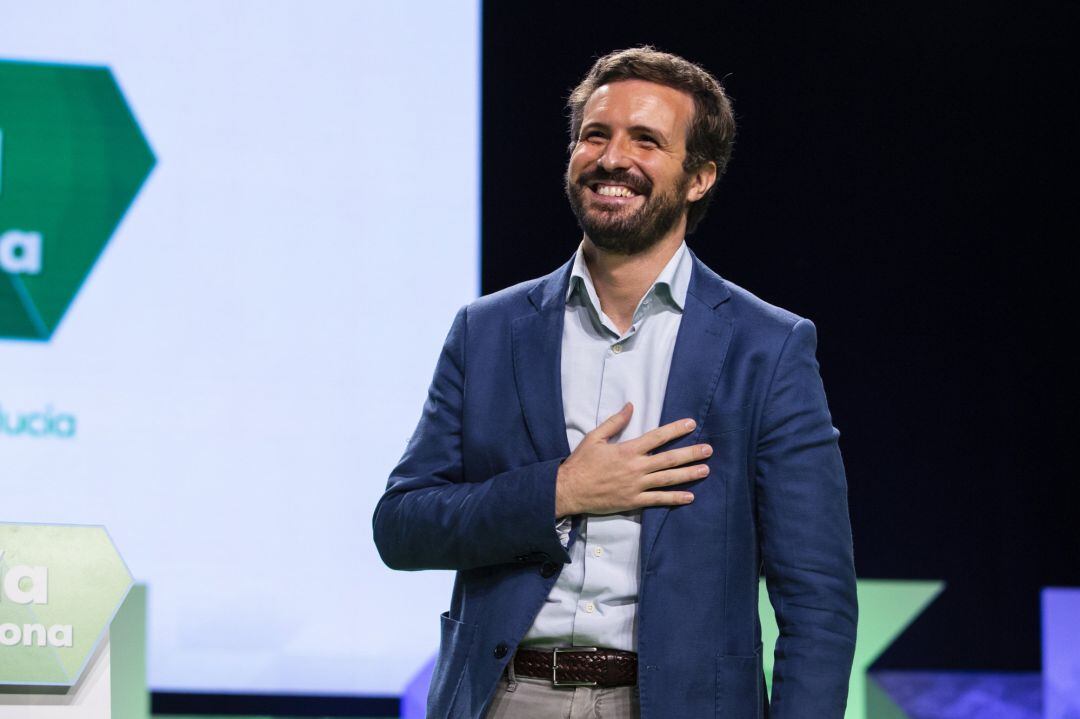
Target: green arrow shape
<point>886,608</point>
<point>87,582</point>
<point>73,159</point>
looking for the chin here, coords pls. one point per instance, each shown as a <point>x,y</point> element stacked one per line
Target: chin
<point>621,243</point>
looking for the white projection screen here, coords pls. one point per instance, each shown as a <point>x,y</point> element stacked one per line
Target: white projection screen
<point>229,385</point>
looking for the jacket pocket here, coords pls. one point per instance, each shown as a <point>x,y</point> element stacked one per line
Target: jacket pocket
<point>739,690</point>
<point>455,643</point>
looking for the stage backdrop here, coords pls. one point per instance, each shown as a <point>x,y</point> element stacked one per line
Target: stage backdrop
<point>282,201</point>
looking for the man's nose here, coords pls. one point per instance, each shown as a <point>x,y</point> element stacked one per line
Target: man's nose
<point>614,156</point>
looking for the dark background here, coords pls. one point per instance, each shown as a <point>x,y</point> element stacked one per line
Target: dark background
<point>904,175</point>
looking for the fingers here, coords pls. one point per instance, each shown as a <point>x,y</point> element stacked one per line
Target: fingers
<point>668,477</point>
<point>662,435</point>
<point>664,499</point>
<point>678,457</point>
<point>615,423</point>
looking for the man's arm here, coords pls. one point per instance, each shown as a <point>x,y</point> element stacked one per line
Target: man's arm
<point>431,518</point>
<point>806,538</point>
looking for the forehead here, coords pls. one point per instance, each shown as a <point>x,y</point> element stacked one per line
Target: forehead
<point>640,102</point>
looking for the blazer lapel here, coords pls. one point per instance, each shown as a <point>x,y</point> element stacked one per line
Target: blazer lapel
<point>536,340</point>
<point>700,348</point>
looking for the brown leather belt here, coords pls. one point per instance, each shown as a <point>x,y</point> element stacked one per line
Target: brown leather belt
<point>578,666</point>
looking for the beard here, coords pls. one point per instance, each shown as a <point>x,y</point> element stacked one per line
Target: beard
<point>621,231</point>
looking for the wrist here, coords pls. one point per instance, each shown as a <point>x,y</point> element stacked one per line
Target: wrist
<point>563,503</point>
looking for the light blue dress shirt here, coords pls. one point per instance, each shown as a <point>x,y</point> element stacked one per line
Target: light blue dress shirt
<point>594,601</point>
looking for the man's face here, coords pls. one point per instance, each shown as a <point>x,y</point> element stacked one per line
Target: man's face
<point>625,180</point>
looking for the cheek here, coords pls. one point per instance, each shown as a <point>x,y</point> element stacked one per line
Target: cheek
<point>657,169</point>
<point>675,181</point>
<point>581,158</point>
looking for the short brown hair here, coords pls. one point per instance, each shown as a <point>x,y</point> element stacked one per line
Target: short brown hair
<point>711,134</point>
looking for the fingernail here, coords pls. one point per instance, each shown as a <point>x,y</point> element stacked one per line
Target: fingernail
<point>703,470</point>
<point>689,498</point>
<point>689,424</point>
<point>706,451</point>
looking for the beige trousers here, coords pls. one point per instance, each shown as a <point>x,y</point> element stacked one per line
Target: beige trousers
<point>529,698</point>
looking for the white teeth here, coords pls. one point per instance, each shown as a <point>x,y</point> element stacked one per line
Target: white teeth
<point>615,191</point>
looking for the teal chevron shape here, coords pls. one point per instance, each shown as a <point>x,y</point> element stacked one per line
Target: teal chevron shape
<point>72,159</point>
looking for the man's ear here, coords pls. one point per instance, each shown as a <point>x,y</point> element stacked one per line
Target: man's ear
<point>701,180</point>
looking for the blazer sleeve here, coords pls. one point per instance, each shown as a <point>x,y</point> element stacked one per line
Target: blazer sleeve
<point>805,537</point>
<point>430,517</point>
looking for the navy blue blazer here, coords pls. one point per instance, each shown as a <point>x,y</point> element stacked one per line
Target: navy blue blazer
<point>474,492</point>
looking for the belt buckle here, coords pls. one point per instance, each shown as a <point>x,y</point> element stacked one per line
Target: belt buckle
<point>555,666</point>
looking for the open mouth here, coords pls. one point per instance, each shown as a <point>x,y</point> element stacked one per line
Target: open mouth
<point>613,192</point>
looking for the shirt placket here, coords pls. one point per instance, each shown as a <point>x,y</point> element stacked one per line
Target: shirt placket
<point>601,533</point>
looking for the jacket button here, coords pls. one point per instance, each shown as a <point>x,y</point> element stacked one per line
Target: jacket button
<point>548,569</point>
<point>500,651</point>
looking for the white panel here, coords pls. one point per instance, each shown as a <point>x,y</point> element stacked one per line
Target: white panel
<point>252,350</point>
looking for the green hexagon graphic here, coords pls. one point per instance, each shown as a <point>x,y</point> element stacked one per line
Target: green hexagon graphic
<point>72,159</point>
<point>60,586</point>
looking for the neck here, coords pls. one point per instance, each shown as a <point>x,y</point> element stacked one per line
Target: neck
<point>622,280</point>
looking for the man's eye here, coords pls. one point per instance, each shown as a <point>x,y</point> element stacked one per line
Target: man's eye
<point>646,140</point>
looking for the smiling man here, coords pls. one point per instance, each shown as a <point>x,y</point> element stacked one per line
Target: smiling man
<point>611,454</point>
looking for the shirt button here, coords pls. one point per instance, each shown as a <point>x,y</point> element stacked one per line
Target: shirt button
<point>548,569</point>
<point>500,650</point>
<point>598,551</point>
<point>590,607</point>
<point>616,349</point>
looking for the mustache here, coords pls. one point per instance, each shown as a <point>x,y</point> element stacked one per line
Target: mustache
<point>619,177</point>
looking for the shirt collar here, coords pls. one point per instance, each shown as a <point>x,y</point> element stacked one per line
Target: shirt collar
<point>670,286</point>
